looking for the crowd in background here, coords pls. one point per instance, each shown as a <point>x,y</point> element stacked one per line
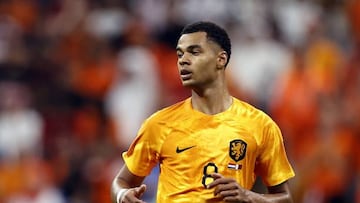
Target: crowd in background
<point>78,77</point>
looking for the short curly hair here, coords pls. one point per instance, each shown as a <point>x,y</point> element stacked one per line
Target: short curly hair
<point>213,32</point>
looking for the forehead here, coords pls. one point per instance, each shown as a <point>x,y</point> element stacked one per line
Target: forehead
<point>190,39</point>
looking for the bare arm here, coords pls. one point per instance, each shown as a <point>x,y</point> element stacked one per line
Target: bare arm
<point>279,193</point>
<point>230,191</point>
<point>126,180</point>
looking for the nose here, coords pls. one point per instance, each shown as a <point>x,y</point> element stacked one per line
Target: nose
<point>183,60</point>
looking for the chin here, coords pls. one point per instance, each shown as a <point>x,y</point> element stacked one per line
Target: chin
<point>187,83</point>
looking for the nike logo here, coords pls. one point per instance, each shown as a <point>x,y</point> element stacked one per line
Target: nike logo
<point>178,150</point>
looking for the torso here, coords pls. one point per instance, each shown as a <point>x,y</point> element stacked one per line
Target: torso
<point>189,145</point>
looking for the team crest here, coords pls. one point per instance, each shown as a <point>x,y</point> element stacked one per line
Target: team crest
<point>237,150</point>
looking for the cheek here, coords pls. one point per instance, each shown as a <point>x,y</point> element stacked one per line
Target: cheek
<point>207,65</point>
<point>206,71</point>
<point>178,65</point>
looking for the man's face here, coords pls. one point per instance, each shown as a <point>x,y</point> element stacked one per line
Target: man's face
<point>197,60</point>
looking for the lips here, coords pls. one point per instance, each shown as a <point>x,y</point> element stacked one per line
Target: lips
<point>185,74</point>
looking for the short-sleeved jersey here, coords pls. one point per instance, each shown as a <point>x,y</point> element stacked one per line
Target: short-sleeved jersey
<point>241,142</point>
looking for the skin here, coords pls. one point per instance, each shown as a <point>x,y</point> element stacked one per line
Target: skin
<point>201,65</point>
<point>125,179</point>
<point>206,62</point>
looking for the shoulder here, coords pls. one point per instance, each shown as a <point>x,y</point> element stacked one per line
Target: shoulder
<point>252,113</point>
<point>249,109</point>
<point>169,113</point>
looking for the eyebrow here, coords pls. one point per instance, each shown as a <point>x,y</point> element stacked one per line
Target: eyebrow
<point>191,47</point>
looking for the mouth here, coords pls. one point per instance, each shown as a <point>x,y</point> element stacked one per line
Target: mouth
<point>185,74</point>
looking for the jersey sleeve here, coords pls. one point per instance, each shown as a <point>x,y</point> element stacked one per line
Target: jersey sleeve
<point>273,165</point>
<point>143,153</point>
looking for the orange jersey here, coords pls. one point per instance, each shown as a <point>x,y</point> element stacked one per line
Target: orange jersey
<point>241,142</point>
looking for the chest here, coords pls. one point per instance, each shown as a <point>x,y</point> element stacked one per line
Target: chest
<point>207,141</point>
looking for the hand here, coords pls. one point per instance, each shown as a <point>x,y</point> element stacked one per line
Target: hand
<point>133,195</point>
<point>228,189</point>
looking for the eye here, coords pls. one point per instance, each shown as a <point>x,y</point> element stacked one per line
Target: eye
<point>195,53</point>
<point>179,54</point>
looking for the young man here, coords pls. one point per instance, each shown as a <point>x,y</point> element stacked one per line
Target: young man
<point>211,146</point>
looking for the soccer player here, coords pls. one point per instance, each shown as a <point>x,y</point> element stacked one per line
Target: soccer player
<point>211,146</point>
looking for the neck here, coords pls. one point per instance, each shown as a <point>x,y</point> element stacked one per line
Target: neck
<point>211,101</point>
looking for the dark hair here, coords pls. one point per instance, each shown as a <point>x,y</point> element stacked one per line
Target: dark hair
<point>213,32</point>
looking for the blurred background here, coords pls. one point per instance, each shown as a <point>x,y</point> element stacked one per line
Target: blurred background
<point>78,77</point>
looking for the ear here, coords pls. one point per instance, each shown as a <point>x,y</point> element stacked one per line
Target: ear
<point>222,59</point>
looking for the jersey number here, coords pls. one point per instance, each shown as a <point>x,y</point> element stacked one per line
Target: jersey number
<point>208,170</point>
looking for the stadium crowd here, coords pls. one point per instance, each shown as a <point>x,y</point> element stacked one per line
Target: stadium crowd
<point>77,78</point>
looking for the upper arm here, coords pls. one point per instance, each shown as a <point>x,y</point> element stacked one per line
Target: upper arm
<point>126,179</point>
<point>273,165</point>
<point>281,188</point>
<point>279,193</point>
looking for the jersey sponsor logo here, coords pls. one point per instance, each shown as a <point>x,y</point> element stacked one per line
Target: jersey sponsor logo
<point>237,150</point>
<point>178,150</point>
